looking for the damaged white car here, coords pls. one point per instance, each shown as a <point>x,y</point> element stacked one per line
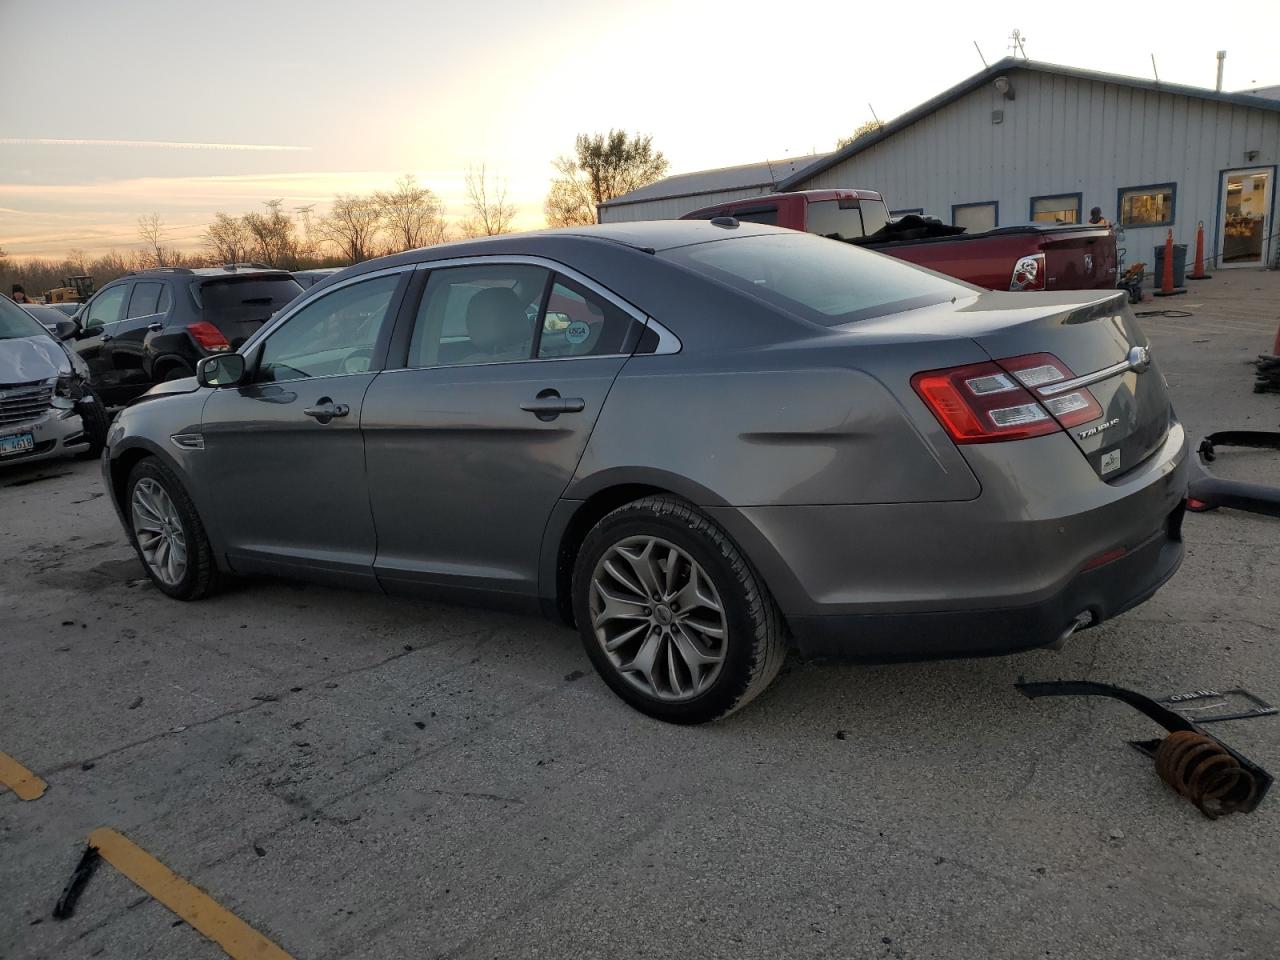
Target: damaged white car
<point>47,407</point>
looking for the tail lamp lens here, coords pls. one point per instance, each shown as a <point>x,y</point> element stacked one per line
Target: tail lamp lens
<point>981,403</point>
<point>208,336</point>
<point>988,402</point>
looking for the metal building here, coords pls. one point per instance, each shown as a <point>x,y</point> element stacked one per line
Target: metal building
<point>1027,141</point>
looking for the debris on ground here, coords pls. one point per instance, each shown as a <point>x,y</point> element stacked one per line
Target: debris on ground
<point>1199,766</point>
<point>1207,492</point>
<point>66,904</point>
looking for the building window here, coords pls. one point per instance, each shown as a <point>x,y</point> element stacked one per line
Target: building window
<point>976,217</point>
<point>903,213</point>
<point>1148,206</point>
<point>1058,208</point>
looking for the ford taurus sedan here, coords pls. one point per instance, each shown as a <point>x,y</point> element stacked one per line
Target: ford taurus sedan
<point>696,441</point>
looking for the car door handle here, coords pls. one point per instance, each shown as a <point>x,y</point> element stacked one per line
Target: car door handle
<point>155,327</point>
<point>548,405</point>
<point>326,410</point>
<point>105,337</point>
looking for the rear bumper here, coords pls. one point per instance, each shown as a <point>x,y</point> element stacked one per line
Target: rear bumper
<point>1101,593</point>
<point>1009,570</point>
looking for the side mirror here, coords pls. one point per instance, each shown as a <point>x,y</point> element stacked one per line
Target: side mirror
<point>222,370</point>
<point>65,329</point>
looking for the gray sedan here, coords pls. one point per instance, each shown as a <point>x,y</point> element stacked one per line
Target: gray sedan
<point>698,442</point>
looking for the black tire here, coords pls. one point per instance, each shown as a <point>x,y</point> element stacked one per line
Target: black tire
<point>95,423</point>
<point>755,639</point>
<point>201,578</point>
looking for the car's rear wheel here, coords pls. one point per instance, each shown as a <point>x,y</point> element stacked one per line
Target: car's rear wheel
<point>167,533</point>
<point>671,613</point>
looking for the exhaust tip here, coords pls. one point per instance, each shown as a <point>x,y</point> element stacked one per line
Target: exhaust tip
<point>1081,620</point>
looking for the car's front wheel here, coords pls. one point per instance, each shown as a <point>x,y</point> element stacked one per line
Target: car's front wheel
<point>671,613</point>
<point>167,533</point>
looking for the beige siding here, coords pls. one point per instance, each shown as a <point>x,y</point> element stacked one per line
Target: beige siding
<point>672,208</point>
<point>1064,135</point>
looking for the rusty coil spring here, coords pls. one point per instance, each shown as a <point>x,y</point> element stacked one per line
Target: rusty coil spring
<point>1202,771</point>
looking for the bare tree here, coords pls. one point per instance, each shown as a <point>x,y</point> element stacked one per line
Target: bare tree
<point>272,233</point>
<point>569,202</point>
<point>352,226</point>
<point>412,215</point>
<point>491,214</point>
<point>151,233</point>
<point>227,239</point>
<point>77,260</point>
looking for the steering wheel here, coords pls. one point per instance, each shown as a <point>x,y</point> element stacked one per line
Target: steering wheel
<point>357,361</point>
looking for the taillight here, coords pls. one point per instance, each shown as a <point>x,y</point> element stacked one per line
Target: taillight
<point>1039,372</point>
<point>1010,399</point>
<point>982,403</point>
<point>1028,273</point>
<point>208,336</point>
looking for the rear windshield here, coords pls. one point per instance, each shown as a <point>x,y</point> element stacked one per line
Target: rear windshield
<point>824,281</point>
<point>16,322</point>
<point>245,298</point>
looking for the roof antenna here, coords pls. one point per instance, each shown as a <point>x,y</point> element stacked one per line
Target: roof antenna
<point>1016,46</point>
<point>980,56</point>
<point>873,115</point>
<point>1153,68</point>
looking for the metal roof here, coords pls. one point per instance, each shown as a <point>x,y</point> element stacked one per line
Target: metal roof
<point>1007,65</point>
<point>744,177</point>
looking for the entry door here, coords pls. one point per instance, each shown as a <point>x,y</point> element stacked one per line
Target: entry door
<point>1246,218</point>
<point>471,445</point>
<point>284,453</point>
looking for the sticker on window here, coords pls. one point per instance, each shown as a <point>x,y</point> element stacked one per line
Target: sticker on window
<point>577,332</point>
<point>1110,462</point>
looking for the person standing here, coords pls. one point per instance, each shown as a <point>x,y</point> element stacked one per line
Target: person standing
<point>1097,219</point>
<point>19,295</point>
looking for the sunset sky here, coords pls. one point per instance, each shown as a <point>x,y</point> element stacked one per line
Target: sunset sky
<point>113,110</point>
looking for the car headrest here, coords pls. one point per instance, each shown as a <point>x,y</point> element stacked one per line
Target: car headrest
<point>496,319</point>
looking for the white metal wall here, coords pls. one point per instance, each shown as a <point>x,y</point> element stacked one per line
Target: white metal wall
<point>1062,135</point>
<point>672,208</point>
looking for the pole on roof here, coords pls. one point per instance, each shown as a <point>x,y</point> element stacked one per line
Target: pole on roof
<point>1153,68</point>
<point>1222,56</point>
<point>980,56</point>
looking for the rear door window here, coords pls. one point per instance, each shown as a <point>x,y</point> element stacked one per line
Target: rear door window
<point>478,314</point>
<point>578,323</point>
<point>145,300</point>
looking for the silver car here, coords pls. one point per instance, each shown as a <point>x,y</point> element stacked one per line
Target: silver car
<point>698,442</point>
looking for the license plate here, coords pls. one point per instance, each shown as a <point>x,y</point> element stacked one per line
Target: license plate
<point>18,443</point>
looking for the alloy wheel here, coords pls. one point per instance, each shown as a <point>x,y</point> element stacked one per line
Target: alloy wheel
<point>658,618</point>
<point>158,529</point>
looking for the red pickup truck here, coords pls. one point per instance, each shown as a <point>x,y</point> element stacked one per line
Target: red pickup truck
<point>1033,256</point>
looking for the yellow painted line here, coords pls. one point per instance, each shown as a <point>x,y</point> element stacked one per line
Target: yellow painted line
<point>20,780</point>
<point>237,938</point>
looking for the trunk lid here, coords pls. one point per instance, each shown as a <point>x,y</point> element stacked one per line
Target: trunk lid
<point>1079,258</point>
<point>239,304</point>
<point>1095,337</point>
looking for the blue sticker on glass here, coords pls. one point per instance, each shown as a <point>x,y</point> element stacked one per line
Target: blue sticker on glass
<point>577,332</point>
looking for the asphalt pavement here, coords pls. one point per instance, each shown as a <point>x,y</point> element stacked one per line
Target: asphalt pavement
<point>357,776</point>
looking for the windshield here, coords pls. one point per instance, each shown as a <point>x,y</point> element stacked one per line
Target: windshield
<point>824,281</point>
<point>16,322</point>
<point>245,298</point>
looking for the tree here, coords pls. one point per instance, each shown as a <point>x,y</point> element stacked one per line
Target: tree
<point>352,226</point>
<point>77,260</point>
<point>227,239</point>
<point>491,214</point>
<point>864,128</point>
<point>272,234</point>
<point>604,166</point>
<point>412,215</point>
<point>151,233</point>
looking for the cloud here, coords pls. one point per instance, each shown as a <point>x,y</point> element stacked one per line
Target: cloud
<point>161,144</point>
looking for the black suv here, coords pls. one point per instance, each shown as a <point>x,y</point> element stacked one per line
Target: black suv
<point>155,325</point>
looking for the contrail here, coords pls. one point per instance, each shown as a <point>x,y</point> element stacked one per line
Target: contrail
<point>163,144</point>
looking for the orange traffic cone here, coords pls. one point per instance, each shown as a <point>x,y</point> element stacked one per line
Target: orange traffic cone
<point>1198,273</point>
<point>1167,289</point>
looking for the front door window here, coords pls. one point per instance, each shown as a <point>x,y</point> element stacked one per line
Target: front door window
<point>1246,204</point>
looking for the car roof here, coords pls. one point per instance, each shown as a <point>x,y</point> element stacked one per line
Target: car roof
<point>232,270</point>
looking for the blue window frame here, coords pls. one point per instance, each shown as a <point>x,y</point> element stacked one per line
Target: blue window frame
<point>956,208</point>
<point>1057,208</point>
<point>1148,205</point>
